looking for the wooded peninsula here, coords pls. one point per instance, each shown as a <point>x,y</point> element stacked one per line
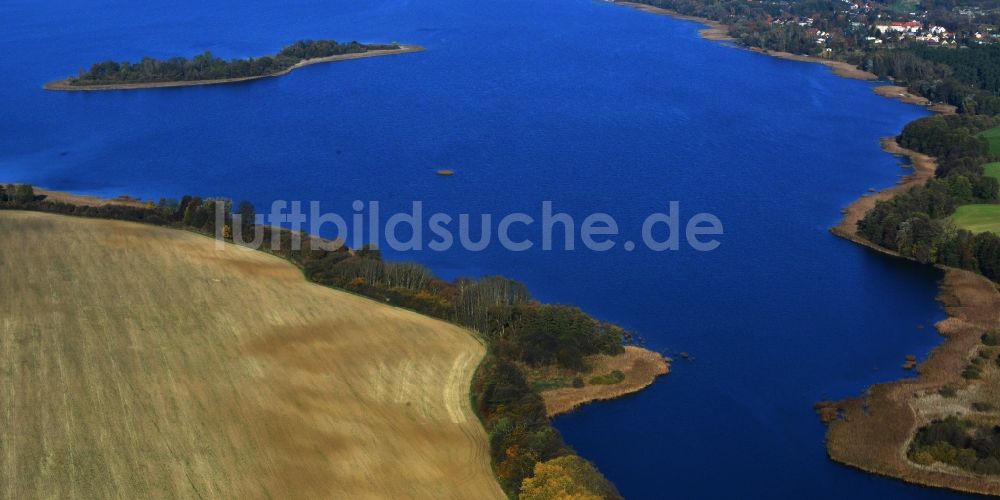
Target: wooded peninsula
<point>207,69</point>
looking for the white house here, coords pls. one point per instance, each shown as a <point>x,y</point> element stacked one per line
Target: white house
<point>899,27</point>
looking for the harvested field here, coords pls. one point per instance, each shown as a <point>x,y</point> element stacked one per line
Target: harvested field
<point>141,362</point>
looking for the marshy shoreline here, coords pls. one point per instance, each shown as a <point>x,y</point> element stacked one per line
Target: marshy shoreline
<point>873,432</point>
<point>65,85</point>
<point>641,367</point>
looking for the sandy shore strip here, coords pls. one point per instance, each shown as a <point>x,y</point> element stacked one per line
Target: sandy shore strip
<point>873,432</point>
<point>714,30</point>
<point>923,170</point>
<point>839,68</point>
<point>640,366</point>
<point>720,32</point>
<point>65,85</point>
<point>903,94</point>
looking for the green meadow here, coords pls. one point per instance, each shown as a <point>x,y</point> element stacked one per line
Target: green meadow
<point>978,218</point>
<point>992,169</point>
<point>993,136</point>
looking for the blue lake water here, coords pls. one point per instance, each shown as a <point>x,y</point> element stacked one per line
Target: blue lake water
<point>595,107</point>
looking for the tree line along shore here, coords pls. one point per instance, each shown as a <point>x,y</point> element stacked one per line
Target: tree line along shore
<point>142,361</point>
<point>522,335</point>
<point>939,429</point>
<point>207,69</point>
<point>917,220</point>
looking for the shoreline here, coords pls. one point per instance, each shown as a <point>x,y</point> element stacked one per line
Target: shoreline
<point>923,168</point>
<point>904,95</point>
<point>713,30</point>
<point>641,368</point>
<point>872,432</point>
<point>719,32</point>
<point>890,401</point>
<point>64,85</point>
<point>87,200</point>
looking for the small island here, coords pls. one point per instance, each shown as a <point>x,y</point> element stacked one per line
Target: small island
<point>206,69</point>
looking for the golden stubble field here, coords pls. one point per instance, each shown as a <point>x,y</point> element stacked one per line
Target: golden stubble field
<point>140,362</point>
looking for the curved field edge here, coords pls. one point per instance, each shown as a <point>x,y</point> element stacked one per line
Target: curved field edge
<point>140,360</point>
<point>538,441</point>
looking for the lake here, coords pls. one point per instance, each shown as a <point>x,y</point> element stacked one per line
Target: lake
<point>592,106</point>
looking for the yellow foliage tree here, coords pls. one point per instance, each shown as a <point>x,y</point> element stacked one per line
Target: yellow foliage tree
<point>567,478</point>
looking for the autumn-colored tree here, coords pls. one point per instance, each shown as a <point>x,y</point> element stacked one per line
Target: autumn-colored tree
<point>567,478</point>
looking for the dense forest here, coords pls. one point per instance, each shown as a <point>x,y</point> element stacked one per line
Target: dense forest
<point>208,67</point>
<point>913,223</point>
<point>521,439</point>
<point>968,78</point>
<point>959,443</point>
<point>516,328</point>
